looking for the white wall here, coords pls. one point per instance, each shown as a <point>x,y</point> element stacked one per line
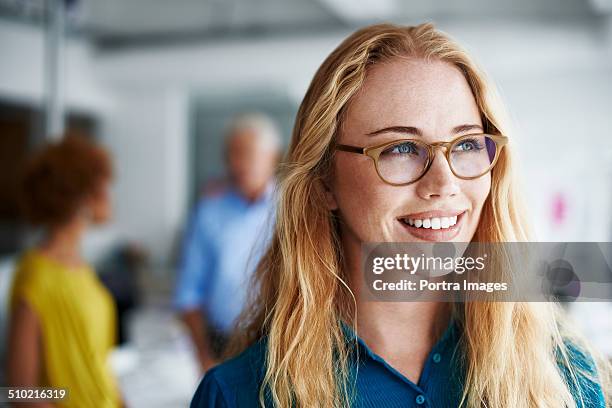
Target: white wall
<point>287,62</point>
<point>147,131</point>
<point>564,136</point>
<point>144,126</point>
<point>22,81</point>
<point>22,58</point>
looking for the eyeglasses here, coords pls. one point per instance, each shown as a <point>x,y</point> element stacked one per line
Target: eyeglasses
<point>405,161</point>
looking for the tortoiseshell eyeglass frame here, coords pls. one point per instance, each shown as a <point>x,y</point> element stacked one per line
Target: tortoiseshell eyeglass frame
<point>375,151</point>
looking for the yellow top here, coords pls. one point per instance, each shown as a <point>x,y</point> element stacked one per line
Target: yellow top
<point>77,316</point>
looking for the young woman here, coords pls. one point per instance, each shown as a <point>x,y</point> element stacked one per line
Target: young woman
<point>63,319</point>
<point>356,169</point>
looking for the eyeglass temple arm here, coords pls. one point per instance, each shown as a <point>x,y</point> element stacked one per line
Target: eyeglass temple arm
<point>352,149</point>
<point>501,140</point>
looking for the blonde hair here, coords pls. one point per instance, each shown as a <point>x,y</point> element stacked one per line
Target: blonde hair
<point>299,290</point>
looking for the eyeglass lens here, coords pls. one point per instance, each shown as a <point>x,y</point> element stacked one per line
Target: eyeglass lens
<point>406,160</point>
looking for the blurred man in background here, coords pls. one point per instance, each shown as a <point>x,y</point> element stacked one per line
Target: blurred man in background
<point>227,234</point>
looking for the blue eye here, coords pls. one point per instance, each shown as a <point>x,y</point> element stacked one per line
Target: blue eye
<point>467,145</point>
<point>402,148</point>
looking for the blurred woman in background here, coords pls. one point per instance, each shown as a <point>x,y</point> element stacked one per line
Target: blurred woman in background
<point>378,155</point>
<point>62,318</point>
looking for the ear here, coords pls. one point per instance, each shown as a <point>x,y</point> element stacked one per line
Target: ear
<point>330,199</point>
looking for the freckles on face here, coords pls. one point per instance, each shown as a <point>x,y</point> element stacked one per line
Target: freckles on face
<point>360,208</point>
<point>412,99</point>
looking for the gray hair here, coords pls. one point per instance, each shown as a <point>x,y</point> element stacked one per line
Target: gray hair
<point>262,125</point>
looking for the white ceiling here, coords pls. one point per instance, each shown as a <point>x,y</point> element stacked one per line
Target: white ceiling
<point>134,22</point>
<point>137,17</point>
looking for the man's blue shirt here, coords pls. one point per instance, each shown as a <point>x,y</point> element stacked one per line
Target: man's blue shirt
<point>227,236</point>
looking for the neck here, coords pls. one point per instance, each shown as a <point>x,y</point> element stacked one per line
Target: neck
<point>389,327</point>
<point>63,243</point>
<point>407,329</point>
<point>255,194</point>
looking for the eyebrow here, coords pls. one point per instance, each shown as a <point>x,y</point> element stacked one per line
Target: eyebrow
<point>418,132</point>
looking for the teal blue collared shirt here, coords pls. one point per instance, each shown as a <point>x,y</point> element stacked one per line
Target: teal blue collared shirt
<point>236,382</point>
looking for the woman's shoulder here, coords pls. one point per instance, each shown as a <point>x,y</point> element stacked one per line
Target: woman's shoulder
<point>235,382</point>
<point>582,376</point>
<point>36,270</point>
<point>29,271</point>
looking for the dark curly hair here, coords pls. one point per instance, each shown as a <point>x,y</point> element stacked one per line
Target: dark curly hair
<point>59,176</point>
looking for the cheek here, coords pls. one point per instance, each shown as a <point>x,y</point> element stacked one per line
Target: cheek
<point>104,203</point>
<point>477,192</point>
<point>363,199</point>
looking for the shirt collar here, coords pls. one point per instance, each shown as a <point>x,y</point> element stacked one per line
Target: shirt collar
<point>265,196</point>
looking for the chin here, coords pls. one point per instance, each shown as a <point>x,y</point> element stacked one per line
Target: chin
<point>101,219</point>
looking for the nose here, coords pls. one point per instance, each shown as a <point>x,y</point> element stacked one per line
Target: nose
<point>439,181</point>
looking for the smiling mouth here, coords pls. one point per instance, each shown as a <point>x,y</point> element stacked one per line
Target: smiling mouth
<point>439,228</point>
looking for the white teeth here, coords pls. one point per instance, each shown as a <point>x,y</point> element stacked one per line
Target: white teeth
<point>444,222</point>
<point>433,223</point>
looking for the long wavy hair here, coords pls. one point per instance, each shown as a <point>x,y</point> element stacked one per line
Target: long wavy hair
<point>510,350</point>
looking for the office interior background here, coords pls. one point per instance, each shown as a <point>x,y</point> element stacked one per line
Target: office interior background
<point>156,82</point>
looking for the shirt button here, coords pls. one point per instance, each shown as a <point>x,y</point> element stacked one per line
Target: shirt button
<point>420,399</point>
<point>437,357</point>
